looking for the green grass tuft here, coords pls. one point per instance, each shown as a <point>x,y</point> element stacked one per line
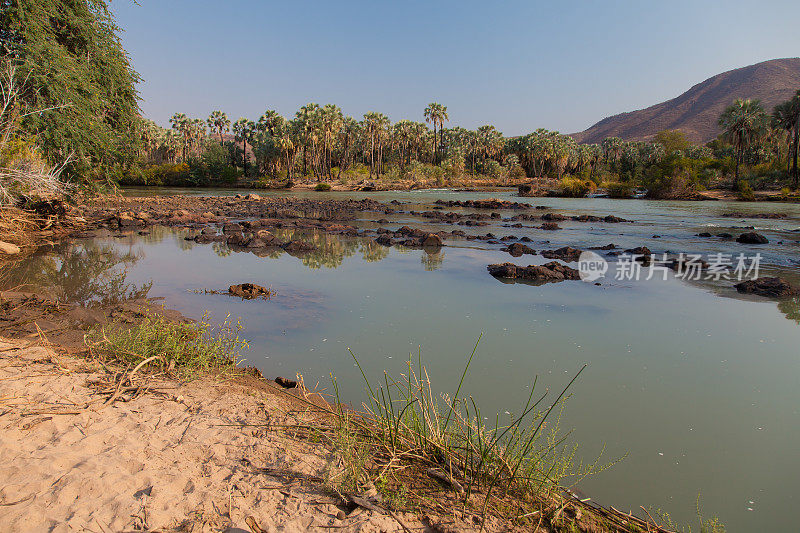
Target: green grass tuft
<point>185,348</point>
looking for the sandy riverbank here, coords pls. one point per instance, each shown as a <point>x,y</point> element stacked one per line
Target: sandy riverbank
<point>198,456</point>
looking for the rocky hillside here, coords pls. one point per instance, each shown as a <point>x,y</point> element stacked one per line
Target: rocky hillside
<point>696,111</point>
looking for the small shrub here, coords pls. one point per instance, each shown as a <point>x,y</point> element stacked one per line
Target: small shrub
<point>187,348</point>
<point>575,188</point>
<point>744,192</point>
<point>323,187</point>
<point>620,189</point>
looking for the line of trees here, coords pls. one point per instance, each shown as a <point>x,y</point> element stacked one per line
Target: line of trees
<point>322,143</point>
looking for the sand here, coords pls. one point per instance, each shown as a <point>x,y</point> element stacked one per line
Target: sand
<point>192,457</point>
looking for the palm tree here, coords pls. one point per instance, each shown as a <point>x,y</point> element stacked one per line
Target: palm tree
<point>180,124</point>
<point>218,121</point>
<point>242,130</point>
<point>375,124</point>
<point>786,116</point>
<point>436,114</point>
<point>742,123</point>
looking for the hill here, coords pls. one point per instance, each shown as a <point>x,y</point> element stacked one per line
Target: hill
<point>696,111</point>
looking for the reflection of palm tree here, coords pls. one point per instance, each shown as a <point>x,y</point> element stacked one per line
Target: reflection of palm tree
<point>432,260</point>
<point>221,249</point>
<point>330,250</point>
<point>371,251</point>
<point>85,273</point>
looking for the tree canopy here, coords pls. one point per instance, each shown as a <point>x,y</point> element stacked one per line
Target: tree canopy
<point>72,63</point>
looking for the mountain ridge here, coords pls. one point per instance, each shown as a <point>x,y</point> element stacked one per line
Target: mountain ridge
<point>695,112</point>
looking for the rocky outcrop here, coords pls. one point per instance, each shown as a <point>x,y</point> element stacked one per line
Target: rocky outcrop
<point>752,238</point>
<point>769,287</point>
<point>518,250</point>
<point>567,254</point>
<point>248,291</point>
<point>490,203</point>
<point>640,251</point>
<point>549,272</point>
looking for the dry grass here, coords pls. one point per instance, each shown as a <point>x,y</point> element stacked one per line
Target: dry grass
<point>18,226</point>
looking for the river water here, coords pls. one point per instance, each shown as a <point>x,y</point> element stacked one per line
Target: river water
<point>694,387</point>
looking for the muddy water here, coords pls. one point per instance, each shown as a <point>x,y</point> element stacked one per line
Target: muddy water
<point>696,387</point>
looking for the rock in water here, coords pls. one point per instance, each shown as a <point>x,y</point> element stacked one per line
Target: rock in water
<point>769,287</point>
<point>552,271</point>
<point>752,238</point>
<point>432,240</point>
<point>286,383</point>
<point>7,248</point>
<point>518,249</point>
<point>567,254</point>
<point>248,291</point>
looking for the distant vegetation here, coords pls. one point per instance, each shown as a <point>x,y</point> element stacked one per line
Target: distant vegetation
<point>77,106</point>
<point>323,144</point>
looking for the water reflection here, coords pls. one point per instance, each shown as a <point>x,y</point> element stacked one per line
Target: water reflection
<point>790,308</point>
<point>89,272</point>
<point>329,251</point>
<point>432,259</point>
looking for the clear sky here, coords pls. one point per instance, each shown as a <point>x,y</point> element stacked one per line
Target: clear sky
<point>518,65</point>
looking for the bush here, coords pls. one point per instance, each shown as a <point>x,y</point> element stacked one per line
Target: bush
<point>571,187</point>
<point>322,187</point>
<point>493,169</point>
<point>186,349</point>
<point>744,192</point>
<point>620,189</point>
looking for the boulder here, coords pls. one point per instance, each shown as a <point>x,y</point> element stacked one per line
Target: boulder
<point>641,251</point>
<point>567,253</point>
<point>384,240</point>
<point>752,238</point>
<point>769,287</point>
<point>550,226</point>
<point>518,249</point>
<point>248,291</point>
<point>432,240</point>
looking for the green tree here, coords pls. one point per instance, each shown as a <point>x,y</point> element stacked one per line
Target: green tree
<point>742,122</point>
<point>71,58</point>
<point>672,140</point>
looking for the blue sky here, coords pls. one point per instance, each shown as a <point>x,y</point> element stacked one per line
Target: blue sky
<point>519,65</point>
